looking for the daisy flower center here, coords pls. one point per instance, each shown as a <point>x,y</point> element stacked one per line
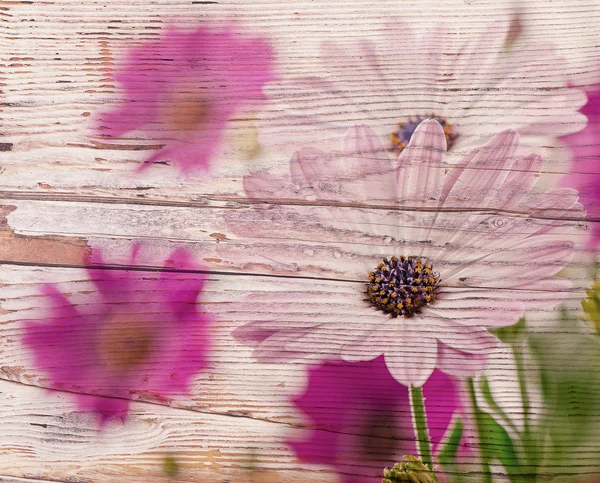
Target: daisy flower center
<point>402,286</point>
<point>401,136</point>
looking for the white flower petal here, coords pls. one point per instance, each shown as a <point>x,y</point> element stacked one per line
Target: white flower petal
<point>414,357</point>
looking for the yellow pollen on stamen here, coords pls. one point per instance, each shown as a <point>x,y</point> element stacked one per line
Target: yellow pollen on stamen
<point>403,287</point>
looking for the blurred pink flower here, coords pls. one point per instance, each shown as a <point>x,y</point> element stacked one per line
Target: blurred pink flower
<point>185,87</point>
<point>474,87</point>
<point>445,252</point>
<point>361,418</point>
<point>585,170</point>
<point>140,333</point>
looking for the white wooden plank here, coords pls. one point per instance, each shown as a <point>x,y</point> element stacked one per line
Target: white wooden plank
<point>61,56</point>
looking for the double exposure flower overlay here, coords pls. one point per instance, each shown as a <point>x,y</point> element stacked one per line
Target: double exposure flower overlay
<point>474,88</point>
<point>139,332</point>
<point>585,170</point>
<point>360,417</point>
<point>184,88</point>
<point>445,252</point>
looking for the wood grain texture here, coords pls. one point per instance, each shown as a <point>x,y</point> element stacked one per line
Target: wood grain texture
<point>64,189</point>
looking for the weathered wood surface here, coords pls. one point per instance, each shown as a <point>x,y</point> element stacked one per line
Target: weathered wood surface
<point>64,190</point>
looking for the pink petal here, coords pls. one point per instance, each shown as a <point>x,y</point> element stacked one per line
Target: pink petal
<point>536,257</point>
<point>264,185</point>
<point>62,342</point>
<point>441,403</point>
<point>420,166</point>
<point>364,154</point>
<point>478,308</point>
<point>522,177</point>
<point>485,174</point>
<point>460,364</point>
<point>414,358</point>
<point>464,337</point>
<point>310,165</point>
<point>585,171</point>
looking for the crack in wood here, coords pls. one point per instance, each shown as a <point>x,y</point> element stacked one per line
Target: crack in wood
<point>227,414</point>
<point>132,268</point>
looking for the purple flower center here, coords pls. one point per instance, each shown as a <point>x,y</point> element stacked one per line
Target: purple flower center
<point>401,136</point>
<point>402,286</point>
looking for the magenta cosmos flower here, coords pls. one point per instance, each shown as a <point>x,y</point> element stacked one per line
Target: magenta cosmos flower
<point>475,88</point>
<point>140,332</point>
<point>444,252</point>
<point>185,87</point>
<point>585,170</point>
<point>360,417</point>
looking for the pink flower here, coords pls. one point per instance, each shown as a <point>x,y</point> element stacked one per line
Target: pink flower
<point>140,332</point>
<point>361,417</point>
<point>473,86</point>
<point>444,252</point>
<point>585,170</point>
<point>184,88</point>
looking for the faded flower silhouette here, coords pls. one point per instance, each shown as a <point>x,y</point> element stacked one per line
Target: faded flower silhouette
<point>473,88</point>
<point>184,88</point>
<point>585,170</point>
<point>361,417</point>
<point>141,332</point>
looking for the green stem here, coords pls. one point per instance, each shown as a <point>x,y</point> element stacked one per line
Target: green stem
<point>486,473</point>
<point>419,416</point>
<point>522,386</point>
<point>528,440</point>
<point>489,399</point>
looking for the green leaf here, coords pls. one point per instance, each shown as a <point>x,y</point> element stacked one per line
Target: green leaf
<point>496,443</point>
<point>486,392</point>
<point>569,360</point>
<point>512,333</point>
<point>448,453</point>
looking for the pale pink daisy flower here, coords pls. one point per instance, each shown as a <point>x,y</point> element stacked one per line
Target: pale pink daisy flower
<point>584,174</point>
<point>184,88</point>
<point>140,332</point>
<point>443,252</point>
<point>475,88</point>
